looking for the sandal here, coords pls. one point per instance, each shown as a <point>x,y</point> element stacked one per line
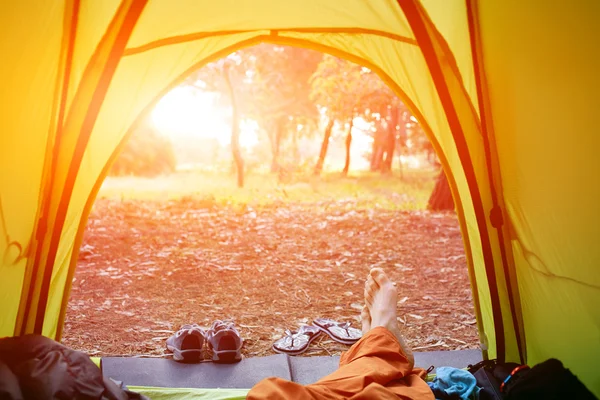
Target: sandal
<point>186,344</point>
<point>296,342</point>
<point>225,342</point>
<point>340,332</point>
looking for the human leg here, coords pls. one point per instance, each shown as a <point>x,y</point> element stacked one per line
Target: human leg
<point>377,366</point>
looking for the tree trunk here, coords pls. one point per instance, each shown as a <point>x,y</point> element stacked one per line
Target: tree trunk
<point>348,144</point>
<point>390,142</point>
<point>324,146</point>
<point>377,149</point>
<point>295,150</point>
<point>275,138</point>
<point>401,168</point>
<point>404,119</point>
<point>235,130</point>
<point>441,197</point>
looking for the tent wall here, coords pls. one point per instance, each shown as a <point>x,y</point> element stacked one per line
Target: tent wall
<point>68,135</point>
<point>451,21</point>
<point>29,70</point>
<point>541,61</point>
<point>466,134</point>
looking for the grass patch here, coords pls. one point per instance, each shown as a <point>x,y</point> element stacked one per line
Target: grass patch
<point>364,190</point>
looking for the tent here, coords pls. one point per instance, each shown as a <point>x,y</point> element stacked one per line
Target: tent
<point>507,91</point>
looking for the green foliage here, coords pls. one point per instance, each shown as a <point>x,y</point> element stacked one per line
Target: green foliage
<point>146,153</point>
<point>270,81</point>
<point>359,191</point>
<point>282,75</point>
<point>346,90</point>
<point>271,85</point>
<point>286,90</point>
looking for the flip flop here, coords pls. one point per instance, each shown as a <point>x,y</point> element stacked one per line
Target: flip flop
<point>225,342</point>
<point>296,342</point>
<point>186,344</point>
<point>340,332</point>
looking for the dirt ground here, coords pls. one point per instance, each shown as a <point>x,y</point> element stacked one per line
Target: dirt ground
<point>147,267</point>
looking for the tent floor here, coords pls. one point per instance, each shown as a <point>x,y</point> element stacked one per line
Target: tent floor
<point>135,371</point>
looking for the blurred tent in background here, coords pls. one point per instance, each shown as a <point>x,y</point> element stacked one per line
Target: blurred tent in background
<point>507,91</point>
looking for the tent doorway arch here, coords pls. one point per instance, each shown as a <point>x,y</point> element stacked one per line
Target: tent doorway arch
<point>272,39</point>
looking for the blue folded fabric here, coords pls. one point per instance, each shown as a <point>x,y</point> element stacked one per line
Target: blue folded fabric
<point>454,384</point>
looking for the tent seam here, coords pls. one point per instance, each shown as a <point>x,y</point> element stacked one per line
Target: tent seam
<point>420,30</point>
<point>190,37</point>
<point>496,214</point>
<point>51,159</point>
<point>122,34</point>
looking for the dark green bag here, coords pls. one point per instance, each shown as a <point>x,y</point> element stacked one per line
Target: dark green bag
<point>549,380</point>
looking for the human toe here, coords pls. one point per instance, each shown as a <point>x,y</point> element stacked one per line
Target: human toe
<point>379,277</point>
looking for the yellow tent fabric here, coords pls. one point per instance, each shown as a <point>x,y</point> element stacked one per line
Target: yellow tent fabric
<point>506,90</point>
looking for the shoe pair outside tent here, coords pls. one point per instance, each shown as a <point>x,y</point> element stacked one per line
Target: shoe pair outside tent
<point>222,339</point>
<point>297,342</point>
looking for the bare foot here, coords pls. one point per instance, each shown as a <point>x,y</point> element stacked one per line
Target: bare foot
<point>381,299</point>
<point>365,319</point>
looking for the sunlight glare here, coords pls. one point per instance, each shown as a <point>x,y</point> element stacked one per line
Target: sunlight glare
<point>184,111</point>
<point>188,112</point>
<point>361,140</point>
<point>410,161</point>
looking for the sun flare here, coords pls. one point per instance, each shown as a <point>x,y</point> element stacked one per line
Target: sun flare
<point>186,112</point>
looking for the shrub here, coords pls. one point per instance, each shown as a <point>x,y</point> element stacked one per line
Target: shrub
<point>146,153</point>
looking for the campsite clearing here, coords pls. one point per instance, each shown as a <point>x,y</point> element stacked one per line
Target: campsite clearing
<point>149,266</point>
